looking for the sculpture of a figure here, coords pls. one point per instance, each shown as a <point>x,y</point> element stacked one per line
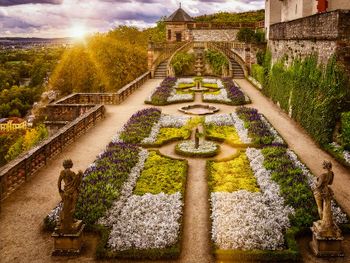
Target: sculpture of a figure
<point>69,197</point>
<point>196,139</point>
<point>323,196</point>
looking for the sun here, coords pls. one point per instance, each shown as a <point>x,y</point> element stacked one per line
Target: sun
<point>78,31</point>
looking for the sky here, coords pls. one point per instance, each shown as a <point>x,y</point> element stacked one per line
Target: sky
<point>64,18</point>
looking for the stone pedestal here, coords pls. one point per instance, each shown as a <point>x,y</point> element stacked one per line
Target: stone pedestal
<point>326,246</point>
<point>68,244</point>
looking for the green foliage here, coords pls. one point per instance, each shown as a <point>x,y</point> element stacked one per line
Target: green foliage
<point>231,176</point>
<point>182,62</point>
<point>258,73</point>
<point>226,134</point>
<point>216,60</point>
<point>345,129</point>
<point>248,35</point>
<point>6,141</point>
<point>315,95</point>
<point>293,186</point>
<point>31,138</point>
<point>162,174</point>
<point>224,17</point>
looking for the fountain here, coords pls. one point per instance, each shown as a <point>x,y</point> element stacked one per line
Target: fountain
<point>196,147</point>
<point>199,109</point>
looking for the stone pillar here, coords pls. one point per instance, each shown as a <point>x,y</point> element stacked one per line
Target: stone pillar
<point>150,57</point>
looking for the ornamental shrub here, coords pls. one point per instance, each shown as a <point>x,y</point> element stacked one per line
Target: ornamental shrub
<point>258,73</point>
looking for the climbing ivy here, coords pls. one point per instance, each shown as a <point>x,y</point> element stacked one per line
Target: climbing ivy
<point>216,60</point>
<point>315,95</point>
<point>182,62</point>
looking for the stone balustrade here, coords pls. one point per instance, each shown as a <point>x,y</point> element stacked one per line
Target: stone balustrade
<point>22,168</point>
<point>78,112</point>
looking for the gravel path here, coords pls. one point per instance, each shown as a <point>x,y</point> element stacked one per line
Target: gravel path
<point>21,237</point>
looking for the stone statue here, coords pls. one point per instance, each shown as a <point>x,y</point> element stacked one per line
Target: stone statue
<point>323,196</point>
<point>196,139</point>
<point>69,197</point>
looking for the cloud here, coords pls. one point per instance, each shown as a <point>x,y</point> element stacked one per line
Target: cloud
<point>48,20</point>
<point>23,2</point>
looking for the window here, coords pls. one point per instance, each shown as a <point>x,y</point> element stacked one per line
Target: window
<point>169,34</point>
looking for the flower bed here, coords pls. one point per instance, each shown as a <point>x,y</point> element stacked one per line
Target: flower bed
<point>148,223</point>
<point>246,220</point>
<point>223,128</point>
<point>168,129</point>
<point>259,129</point>
<point>230,176</point>
<point>103,183</point>
<point>167,94</point>
<point>205,149</point>
<point>234,93</point>
<point>338,152</point>
<point>139,126</point>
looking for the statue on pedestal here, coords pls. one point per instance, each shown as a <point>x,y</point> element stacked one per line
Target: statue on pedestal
<point>323,196</point>
<point>69,197</point>
<point>68,235</point>
<point>196,139</point>
<point>327,237</point>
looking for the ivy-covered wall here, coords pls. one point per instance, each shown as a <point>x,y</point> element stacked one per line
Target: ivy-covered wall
<point>313,94</point>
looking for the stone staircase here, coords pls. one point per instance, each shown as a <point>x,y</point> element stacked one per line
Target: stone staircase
<point>161,71</point>
<point>238,72</point>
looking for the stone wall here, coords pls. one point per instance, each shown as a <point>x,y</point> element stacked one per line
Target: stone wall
<point>325,34</point>
<point>204,35</point>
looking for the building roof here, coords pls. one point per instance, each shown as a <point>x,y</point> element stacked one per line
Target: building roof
<point>179,16</point>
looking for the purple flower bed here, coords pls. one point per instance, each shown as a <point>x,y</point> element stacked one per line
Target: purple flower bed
<point>140,125</point>
<point>103,180</point>
<point>257,129</point>
<point>161,94</point>
<point>234,93</point>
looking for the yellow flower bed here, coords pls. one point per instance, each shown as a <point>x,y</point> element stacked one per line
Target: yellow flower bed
<point>170,134</point>
<point>223,133</point>
<point>231,176</point>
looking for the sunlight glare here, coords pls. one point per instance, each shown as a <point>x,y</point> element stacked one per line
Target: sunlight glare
<point>78,31</point>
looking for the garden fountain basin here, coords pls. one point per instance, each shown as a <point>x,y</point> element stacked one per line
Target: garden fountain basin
<point>199,109</point>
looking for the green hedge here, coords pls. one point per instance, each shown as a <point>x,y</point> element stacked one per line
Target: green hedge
<point>345,129</point>
<point>182,62</point>
<point>258,73</point>
<point>314,95</point>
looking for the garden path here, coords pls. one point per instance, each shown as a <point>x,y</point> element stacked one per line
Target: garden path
<point>21,237</point>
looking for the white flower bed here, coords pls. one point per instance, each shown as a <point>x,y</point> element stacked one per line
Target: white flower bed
<point>220,84</point>
<point>245,220</point>
<point>184,81</point>
<point>175,97</point>
<point>219,120</point>
<point>126,191</point>
<point>278,138</point>
<point>148,221</point>
<point>210,81</point>
<point>173,121</point>
<point>221,96</point>
<point>204,147</point>
<point>338,215</point>
<point>255,82</point>
<point>241,130</point>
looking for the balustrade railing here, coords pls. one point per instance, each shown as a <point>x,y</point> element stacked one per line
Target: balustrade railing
<point>85,113</point>
<point>16,172</point>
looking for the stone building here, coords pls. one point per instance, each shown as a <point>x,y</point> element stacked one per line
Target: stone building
<point>182,27</point>
<point>277,11</point>
<point>310,27</point>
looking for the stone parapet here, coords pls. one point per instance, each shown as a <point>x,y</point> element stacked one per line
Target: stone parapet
<point>333,25</point>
